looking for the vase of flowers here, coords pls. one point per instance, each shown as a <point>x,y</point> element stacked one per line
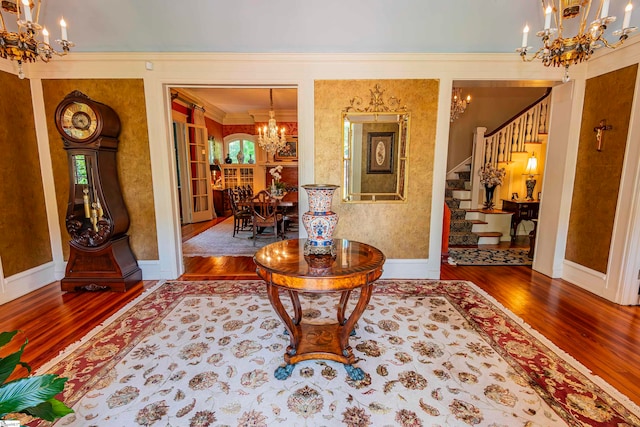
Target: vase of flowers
<point>277,187</point>
<point>490,177</point>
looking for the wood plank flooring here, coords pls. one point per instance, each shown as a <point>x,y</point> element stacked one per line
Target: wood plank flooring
<point>604,337</point>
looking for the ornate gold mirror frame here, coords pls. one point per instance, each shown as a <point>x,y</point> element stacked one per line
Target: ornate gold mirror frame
<point>376,140</point>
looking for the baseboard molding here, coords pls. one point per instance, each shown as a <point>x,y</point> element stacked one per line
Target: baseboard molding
<point>20,284</point>
<point>151,270</point>
<point>410,269</point>
<point>585,278</point>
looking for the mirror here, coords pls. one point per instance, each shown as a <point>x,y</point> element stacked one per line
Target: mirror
<point>375,156</point>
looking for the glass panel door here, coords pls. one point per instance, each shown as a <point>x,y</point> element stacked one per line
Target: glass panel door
<point>200,178</point>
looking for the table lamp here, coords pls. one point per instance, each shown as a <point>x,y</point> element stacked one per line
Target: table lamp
<point>531,170</point>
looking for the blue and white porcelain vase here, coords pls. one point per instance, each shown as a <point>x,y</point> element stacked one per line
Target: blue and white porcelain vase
<point>319,221</point>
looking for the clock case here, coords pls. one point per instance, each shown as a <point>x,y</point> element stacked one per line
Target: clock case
<point>97,220</point>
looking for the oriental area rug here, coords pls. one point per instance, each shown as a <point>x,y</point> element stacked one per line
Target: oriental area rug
<point>480,256</point>
<point>434,353</point>
<point>220,241</point>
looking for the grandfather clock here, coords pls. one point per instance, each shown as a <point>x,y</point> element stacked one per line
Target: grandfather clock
<point>100,257</point>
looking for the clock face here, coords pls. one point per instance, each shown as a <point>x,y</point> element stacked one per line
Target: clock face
<point>79,121</point>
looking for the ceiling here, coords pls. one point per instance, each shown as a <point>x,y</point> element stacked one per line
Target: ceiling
<point>294,26</point>
<point>242,100</point>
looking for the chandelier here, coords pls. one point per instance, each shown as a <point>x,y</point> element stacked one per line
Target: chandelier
<point>458,104</point>
<point>268,138</point>
<point>559,48</point>
<point>22,45</point>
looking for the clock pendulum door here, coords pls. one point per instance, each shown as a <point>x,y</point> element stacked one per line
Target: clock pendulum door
<point>100,257</point>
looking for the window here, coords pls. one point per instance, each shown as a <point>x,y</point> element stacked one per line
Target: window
<point>240,144</point>
<point>215,151</point>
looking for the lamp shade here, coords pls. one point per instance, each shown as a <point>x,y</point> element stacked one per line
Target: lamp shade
<point>532,165</point>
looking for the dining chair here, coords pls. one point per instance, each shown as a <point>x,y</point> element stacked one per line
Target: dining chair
<point>264,215</point>
<point>241,216</point>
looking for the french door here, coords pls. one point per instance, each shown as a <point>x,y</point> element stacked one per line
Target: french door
<point>194,176</point>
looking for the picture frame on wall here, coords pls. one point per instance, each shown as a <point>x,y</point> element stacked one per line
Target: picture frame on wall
<point>289,153</point>
<point>380,152</point>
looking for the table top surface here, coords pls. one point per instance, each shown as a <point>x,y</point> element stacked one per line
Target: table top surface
<point>285,260</point>
<point>288,200</point>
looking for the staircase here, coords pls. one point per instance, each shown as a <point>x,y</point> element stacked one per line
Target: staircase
<point>471,227</point>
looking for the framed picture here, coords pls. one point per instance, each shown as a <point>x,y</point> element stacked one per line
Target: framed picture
<point>514,196</point>
<point>289,153</point>
<point>380,152</point>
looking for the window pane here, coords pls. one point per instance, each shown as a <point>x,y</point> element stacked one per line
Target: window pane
<point>249,150</point>
<point>234,149</point>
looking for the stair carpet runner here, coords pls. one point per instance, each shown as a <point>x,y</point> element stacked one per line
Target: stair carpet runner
<point>460,233</point>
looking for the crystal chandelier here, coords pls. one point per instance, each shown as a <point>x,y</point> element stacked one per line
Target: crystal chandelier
<point>458,104</point>
<point>268,138</point>
<point>22,45</point>
<point>572,16</point>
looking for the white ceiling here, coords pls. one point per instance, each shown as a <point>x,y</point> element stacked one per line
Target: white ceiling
<point>328,26</point>
<point>297,26</point>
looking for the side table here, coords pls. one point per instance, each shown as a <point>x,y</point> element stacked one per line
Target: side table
<point>284,267</point>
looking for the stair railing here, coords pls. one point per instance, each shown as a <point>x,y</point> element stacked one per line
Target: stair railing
<point>509,138</point>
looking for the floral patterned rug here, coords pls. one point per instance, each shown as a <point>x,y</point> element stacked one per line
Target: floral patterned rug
<point>479,256</point>
<point>435,353</point>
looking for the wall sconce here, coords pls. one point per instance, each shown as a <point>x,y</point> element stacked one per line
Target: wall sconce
<point>531,170</point>
<point>215,168</point>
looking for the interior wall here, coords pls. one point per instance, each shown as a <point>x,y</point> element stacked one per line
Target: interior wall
<point>126,97</point>
<point>24,233</point>
<point>490,107</point>
<point>399,230</point>
<point>598,173</point>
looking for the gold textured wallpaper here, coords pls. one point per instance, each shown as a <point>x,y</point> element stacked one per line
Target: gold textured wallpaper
<point>24,233</point>
<point>598,173</point>
<point>126,97</point>
<point>399,230</point>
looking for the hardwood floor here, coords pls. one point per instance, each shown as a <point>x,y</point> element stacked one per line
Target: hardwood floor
<point>604,337</point>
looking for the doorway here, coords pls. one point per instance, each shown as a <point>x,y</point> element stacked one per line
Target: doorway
<point>232,117</point>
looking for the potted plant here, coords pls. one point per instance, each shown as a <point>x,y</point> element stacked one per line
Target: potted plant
<point>29,397</point>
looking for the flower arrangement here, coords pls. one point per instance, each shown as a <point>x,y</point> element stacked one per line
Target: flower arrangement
<point>491,176</point>
<point>276,173</point>
<point>277,187</point>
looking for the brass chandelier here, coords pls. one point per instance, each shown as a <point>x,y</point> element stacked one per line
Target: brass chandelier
<point>270,139</point>
<point>458,103</point>
<point>22,45</point>
<point>559,48</point>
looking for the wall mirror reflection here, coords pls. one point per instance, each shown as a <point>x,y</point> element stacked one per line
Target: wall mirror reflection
<point>375,156</point>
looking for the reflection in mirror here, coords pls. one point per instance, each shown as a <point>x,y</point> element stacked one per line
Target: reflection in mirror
<point>375,156</point>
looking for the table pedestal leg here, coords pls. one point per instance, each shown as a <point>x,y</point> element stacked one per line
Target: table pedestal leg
<point>319,341</point>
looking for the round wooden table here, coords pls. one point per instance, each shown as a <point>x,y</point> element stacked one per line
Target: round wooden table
<point>284,267</point>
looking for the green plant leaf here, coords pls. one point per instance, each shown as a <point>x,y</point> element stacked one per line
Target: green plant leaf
<point>8,364</point>
<point>49,410</point>
<point>23,393</point>
<point>6,337</point>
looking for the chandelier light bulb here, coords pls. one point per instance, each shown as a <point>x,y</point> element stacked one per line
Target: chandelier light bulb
<point>45,35</point>
<point>525,35</point>
<point>27,11</point>
<point>627,16</point>
<point>63,28</point>
<point>547,18</point>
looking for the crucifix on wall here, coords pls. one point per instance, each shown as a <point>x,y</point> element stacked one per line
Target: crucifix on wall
<point>599,130</point>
